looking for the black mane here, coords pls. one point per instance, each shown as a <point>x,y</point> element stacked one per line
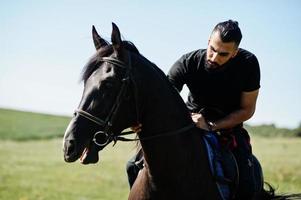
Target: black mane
<point>95,61</point>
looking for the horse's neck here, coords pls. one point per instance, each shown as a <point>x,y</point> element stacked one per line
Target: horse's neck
<point>163,108</point>
<point>170,159</point>
<point>164,112</point>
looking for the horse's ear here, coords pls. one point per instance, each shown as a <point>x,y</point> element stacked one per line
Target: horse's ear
<point>116,38</point>
<point>98,41</point>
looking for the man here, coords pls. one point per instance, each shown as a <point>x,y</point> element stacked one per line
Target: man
<point>223,77</point>
<point>226,79</point>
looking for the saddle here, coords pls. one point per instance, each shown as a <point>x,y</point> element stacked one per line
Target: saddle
<point>222,161</point>
<point>224,168</point>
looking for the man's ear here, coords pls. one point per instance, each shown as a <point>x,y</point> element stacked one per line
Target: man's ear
<point>235,53</point>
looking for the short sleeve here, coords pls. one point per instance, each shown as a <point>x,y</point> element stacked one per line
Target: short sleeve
<point>252,75</point>
<point>176,74</point>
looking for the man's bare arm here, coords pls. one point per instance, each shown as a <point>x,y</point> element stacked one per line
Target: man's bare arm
<point>246,111</point>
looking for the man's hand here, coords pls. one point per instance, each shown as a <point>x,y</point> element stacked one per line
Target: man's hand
<point>199,121</point>
<point>137,128</point>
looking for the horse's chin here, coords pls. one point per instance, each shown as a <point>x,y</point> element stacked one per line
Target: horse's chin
<point>89,155</point>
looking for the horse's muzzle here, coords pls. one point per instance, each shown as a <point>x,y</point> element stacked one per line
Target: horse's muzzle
<point>70,153</point>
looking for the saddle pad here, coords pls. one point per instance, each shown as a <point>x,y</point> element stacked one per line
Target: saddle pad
<point>214,158</point>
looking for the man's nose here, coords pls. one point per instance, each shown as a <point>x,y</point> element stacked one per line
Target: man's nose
<point>214,57</point>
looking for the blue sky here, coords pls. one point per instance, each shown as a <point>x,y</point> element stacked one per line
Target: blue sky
<point>45,44</point>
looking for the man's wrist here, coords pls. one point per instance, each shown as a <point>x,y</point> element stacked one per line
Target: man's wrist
<point>212,126</point>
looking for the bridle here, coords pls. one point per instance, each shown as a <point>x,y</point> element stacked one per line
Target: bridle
<point>107,124</point>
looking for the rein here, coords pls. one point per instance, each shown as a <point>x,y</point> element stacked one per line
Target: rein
<point>115,138</point>
<point>106,124</point>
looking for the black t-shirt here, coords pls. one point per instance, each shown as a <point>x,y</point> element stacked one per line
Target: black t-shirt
<point>220,90</point>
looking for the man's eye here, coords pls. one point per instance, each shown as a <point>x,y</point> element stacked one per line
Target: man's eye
<point>223,54</point>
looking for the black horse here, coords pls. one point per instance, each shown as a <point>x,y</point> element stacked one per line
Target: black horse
<point>123,88</point>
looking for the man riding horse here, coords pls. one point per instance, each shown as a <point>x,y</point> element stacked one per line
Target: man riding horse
<point>223,79</point>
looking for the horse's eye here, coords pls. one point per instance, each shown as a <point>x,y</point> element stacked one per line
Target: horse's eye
<point>108,85</point>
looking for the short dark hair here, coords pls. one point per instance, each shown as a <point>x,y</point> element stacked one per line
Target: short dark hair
<point>229,31</point>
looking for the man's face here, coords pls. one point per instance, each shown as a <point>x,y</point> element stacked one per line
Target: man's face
<point>219,52</point>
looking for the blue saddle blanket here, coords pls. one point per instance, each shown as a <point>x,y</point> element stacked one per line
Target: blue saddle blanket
<point>214,157</point>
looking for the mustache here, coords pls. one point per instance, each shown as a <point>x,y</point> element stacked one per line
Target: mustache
<point>212,64</point>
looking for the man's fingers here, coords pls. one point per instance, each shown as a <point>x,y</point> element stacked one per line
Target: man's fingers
<point>136,128</point>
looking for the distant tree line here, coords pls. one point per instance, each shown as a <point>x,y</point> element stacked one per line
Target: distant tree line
<point>270,130</point>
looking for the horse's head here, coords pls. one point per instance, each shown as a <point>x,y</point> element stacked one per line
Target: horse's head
<point>107,103</point>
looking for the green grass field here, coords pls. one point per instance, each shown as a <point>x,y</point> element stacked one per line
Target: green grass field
<point>32,167</point>
<point>281,161</point>
<point>16,125</point>
<point>35,170</point>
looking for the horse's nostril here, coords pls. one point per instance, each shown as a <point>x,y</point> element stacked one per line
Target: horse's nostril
<point>70,146</point>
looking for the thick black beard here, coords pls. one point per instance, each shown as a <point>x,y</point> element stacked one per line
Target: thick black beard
<point>219,69</point>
